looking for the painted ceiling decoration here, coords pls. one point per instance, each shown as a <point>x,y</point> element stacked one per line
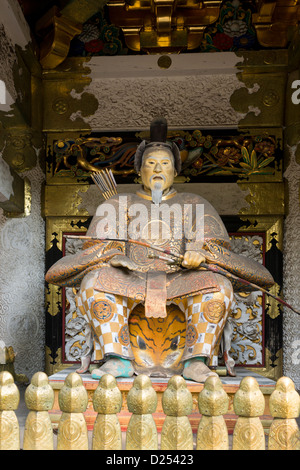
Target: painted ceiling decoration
<point>111,27</point>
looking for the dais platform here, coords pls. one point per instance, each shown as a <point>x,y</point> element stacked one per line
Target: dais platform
<point>230,385</point>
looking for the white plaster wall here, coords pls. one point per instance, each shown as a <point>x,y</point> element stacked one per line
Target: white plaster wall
<point>291,274</point>
<point>22,288</point>
<point>193,93</point>
<point>22,245</point>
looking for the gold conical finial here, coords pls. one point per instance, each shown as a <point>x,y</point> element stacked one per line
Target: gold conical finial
<point>142,402</point>
<point>39,399</point>
<point>72,428</point>
<point>9,401</point>
<point>213,404</point>
<point>107,401</point>
<point>177,403</point>
<point>284,407</point>
<point>249,405</point>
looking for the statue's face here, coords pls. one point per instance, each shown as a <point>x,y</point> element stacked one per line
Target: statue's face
<point>158,169</point>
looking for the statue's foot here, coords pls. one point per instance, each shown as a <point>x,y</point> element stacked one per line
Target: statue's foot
<point>85,363</point>
<point>196,370</point>
<point>115,366</point>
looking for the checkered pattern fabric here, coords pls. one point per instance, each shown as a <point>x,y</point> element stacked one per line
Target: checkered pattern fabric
<point>206,317</point>
<point>108,316</point>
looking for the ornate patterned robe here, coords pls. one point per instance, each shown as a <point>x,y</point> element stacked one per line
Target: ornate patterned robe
<point>154,281</point>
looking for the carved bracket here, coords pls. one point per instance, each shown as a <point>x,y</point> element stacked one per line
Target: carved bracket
<point>274,20</point>
<point>163,24</point>
<point>56,43</point>
<point>58,28</point>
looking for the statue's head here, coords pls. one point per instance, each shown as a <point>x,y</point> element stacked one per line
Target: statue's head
<point>157,161</point>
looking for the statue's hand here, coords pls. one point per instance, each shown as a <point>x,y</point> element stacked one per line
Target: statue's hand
<point>193,259</point>
<point>121,261</point>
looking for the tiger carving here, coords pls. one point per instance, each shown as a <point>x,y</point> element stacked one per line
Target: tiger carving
<point>157,343</point>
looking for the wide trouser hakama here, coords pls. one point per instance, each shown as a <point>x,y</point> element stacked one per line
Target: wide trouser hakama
<point>108,314</point>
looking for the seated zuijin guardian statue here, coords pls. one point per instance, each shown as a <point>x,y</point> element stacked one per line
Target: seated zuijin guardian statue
<point>147,313</point>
